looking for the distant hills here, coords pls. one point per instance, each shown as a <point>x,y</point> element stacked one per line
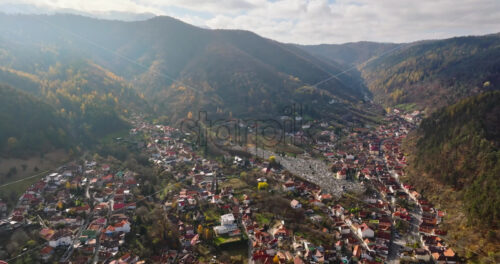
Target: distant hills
<point>351,53</point>
<point>425,74</point>
<point>433,74</point>
<point>93,72</point>
<point>180,68</point>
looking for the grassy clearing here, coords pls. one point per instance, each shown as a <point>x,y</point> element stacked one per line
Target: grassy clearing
<point>28,171</point>
<point>221,240</point>
<point>236,183</point>
<point>263,218</point>
<point>211,215</point>
<point>110,138</point>
<point>406,107</point>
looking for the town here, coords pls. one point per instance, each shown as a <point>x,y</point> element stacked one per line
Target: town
<point>342,201</point>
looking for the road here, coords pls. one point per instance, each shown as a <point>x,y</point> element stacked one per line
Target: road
<point>413,234</point>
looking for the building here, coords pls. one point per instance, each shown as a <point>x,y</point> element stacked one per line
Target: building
<point>365,231</point>
<point>342,174</point>
<point>227,225</point>
<point>295,204</point>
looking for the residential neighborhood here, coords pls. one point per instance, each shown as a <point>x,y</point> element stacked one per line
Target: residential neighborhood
<point>342,202</point>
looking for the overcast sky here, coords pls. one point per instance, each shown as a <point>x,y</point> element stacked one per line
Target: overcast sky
<point>305,21</point>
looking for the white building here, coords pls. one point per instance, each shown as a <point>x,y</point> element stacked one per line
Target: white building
<point>61,238</point>
<point>227,225</point>
<point>365,231</point>
<point>227,219</point>
<point>123,226</point>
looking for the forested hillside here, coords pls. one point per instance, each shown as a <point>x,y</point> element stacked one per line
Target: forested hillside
<point>433,74</point>
<point>29,125</point>
<point>88,101</point>
<point>180,68</point>
<point>351,53</point>
<point>456,162</point>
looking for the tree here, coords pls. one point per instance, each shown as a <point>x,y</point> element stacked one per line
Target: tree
<point>262,186</point>
<point>11,142</point>
<point>208,234</point>
<point>12,171</point>
<point>276,259</point>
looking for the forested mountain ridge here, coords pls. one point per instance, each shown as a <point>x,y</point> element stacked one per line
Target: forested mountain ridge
<point>433,74</point>
<point>455,161</point>
<point>182,68</point>
<point>352,53</point>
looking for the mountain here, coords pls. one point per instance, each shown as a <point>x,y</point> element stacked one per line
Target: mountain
<point>20,8</point>
<point>89,101</point>
<point>455,161</point>
<point>180,68</point>
<point>350,53</point>
<point>432,74</point>
<point>29,125</point>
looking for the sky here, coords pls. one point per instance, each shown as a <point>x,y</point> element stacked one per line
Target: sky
<point>300,21</point>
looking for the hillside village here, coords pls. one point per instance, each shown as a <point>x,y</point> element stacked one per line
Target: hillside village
<point>347,206</point>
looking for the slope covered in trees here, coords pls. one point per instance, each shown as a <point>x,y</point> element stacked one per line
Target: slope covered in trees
<point>29,125</point>
<point>456,161</point>
<point>182,68</point>
<point>433,74</point>
<point>350,53</point>
<point>88,100</point>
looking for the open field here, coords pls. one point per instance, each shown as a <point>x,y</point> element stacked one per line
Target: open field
<point>27,172</point>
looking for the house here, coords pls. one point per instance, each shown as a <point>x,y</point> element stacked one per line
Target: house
<point>281,232</point>
<point>227,225</point>
<point>61,238</point>
<point>105,168</point>
<point>238,161</point>
<point>123,226</point>
<point>365,231</point>
<point>227,219</point>
<point>295,204</point>
<point>46,253</point>
<point>325,197</point>
<point>81,209</point>
<point>342,174</point>
<point>422,254</point>
<point>47,233</point>
<point>344,229</point>
<point>450,256</point>
<point>289,186</point>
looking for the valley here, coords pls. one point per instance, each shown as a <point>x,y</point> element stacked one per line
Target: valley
<point>156,141</point>
<point>356,208</point>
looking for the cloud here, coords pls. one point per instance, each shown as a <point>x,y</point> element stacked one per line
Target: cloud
<point>317,21</point>
<point>321,21</point>
<point>85,5</point>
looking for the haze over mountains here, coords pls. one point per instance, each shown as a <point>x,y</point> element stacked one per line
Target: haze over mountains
<point>174,62</point>
<point>81,65</point>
